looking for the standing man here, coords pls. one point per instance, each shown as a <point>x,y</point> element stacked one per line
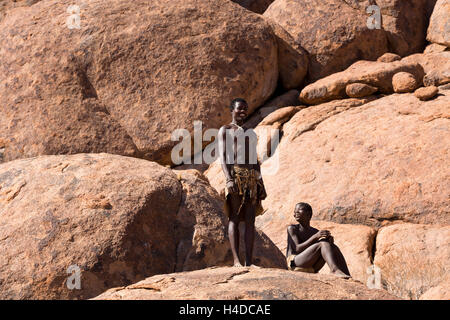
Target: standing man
<point>244,185</point>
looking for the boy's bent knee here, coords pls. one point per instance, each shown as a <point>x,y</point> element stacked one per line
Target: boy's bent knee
<point>325,244</point>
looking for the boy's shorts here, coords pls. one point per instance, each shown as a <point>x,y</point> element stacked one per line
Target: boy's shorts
<point>291,266</point>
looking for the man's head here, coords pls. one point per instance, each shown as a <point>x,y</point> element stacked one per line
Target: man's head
<point>302,213</point>
<point>239,109</point>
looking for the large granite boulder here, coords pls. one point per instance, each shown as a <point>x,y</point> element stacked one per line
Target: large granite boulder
<point>360,162</point>
<point>132,73</point>
<point>439,27</point>
<point>334,34</point>
<point>114,219</point>
<point>405,23</point>
<point>413,260</point>
<point>293,59</point>
<point>110,216</point>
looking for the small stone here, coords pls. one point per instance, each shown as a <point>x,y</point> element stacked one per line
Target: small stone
<point>435,47</point>
<point>404,82</point>
<point>374,73</point>
<point>436,77</point>
<point>389,57</point>
<point>436,67</point>
<point>281,115</point>
<point>444,87</point>
<point>359,90</point>
<point>426,93</point>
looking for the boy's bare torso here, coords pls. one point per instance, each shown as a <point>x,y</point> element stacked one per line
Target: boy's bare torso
<point>241,151</point>
<point>302,233</point>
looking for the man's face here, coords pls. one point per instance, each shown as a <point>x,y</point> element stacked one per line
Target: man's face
<point>301,215</point>
<point>240,111</point>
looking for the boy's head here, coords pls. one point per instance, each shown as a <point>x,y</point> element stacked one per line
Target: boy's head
<point>302,212</point>
<point>239,109</point>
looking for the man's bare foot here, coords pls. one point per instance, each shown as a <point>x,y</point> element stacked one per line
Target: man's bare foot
<point>238,264</point>
<point>340,274</point>
<point>250,265</point>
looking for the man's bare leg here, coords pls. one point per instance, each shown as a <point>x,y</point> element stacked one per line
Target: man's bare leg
<point>233,229</point>
<point>249,211</point>
<point>233,234</point>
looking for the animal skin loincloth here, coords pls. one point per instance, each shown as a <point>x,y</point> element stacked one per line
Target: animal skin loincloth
<point>248,186</point>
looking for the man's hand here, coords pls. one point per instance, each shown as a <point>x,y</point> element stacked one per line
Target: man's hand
<point>231,186</point>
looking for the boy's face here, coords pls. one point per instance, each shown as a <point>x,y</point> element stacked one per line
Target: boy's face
<point>240,111</point>
<point>300,215</point>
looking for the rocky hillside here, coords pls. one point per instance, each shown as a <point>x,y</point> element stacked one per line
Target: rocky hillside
<point>87,114</point>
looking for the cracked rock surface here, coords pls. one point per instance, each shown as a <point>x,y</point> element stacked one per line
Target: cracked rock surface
<point>244,283</point>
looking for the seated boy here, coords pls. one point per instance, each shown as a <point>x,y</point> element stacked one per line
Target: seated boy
<point>308,248</point>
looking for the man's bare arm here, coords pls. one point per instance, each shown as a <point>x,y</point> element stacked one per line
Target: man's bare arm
<point>226,168</point>
<point>223,154</point>
<point>257,167</point>
<point>262,193</point>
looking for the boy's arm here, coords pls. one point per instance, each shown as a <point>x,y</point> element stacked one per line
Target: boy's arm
<point>223,160</point>
<point>262,195</point>
<point>300,247</point>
